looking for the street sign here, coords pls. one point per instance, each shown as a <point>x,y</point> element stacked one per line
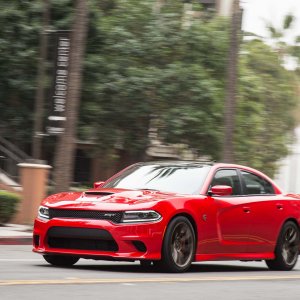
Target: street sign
<point>57,117</point>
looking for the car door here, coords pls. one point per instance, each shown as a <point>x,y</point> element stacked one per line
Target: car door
<point>266,211</point>
<point>233,219</point>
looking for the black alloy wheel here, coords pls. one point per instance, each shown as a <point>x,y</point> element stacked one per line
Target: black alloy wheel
<point>287,248</point>
<point>61,260</point>
<point>179,245</point>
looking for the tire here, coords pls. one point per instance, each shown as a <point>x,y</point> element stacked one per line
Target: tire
<point>61,260</point>
<point>287,248</point>
<point>178,248</point>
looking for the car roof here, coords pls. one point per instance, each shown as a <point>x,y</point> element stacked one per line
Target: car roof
<point>177,163</point>
<point>193,163</point>
<point>187,163</point>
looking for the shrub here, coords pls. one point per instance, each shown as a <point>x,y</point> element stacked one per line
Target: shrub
<point>8,205</point>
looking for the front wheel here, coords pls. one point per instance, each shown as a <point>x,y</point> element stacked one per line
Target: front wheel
<point>178,246</point>
<point>287,248</point>
<point>61,260</point>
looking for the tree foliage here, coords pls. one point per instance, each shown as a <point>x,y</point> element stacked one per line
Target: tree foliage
<point>266,100</point>
<point>143,66</point>
<point>20,25</point>
<point>148,66</point>
<point>284,49</point>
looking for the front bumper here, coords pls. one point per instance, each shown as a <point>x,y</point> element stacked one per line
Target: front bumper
<point>134,241</point>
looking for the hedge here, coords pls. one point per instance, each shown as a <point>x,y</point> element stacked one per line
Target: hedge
<point>8,205</point>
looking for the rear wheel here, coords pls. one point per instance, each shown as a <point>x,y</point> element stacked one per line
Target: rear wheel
<point>178,246</point>
<point>287,248</point>
<point>61,260</point>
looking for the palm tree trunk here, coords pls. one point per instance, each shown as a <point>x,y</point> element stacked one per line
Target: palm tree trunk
<point>230,101</point>
<point>64,158</point>
<point>40,92</point>
<point>158,4</point>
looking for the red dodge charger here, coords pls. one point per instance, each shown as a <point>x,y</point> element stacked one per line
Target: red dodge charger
<point>169,214</point>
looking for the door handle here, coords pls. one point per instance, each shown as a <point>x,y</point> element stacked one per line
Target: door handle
<point>279,206</point>
<point>246,209</point>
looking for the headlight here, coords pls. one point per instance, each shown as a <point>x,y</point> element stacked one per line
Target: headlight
<point>43,212</point>
<point>140,216</point>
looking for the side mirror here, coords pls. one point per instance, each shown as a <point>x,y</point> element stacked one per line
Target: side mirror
<point>221,190</point>
<point>98,184</point>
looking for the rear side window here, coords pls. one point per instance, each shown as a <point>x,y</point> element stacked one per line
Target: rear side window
<point>256,185</point>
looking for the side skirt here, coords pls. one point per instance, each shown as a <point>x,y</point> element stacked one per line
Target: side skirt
<point>234,256</point>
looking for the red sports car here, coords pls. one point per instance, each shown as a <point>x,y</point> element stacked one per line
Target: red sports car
<point>170,214</point>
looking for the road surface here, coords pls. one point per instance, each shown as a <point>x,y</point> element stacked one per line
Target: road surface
<point>25,275</point>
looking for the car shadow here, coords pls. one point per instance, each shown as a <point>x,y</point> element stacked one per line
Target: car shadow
<point>136,268</point>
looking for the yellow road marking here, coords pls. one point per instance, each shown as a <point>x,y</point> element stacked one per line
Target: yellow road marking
<point>141,280</point>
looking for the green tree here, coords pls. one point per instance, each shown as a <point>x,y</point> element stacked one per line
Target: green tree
<point>142,65</point>
<point>146,65</point>
<point>266,100</point>
<point>20,23</point>
<point>282,47</point>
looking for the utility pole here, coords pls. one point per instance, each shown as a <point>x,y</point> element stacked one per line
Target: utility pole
<point>64,157</point>
<point>40,92</point>
<point>230,100</point>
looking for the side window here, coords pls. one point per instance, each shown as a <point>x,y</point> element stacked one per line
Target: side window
<point>256,185</point>
<point>228,177</point>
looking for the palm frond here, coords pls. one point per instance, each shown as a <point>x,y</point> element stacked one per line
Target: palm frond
<point>288,21</point>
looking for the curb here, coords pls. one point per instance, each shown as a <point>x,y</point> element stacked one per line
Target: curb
<point>16,240</point>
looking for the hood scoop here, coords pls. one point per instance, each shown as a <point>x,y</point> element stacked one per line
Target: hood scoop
<point>97,193</point>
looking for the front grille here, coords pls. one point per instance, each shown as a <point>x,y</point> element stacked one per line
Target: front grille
<point>81,239</point>
<point>86,214</point>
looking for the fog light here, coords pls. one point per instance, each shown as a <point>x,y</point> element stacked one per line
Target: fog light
<point>140,246</point>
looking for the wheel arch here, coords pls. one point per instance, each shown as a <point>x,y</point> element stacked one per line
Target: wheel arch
<point>191,219</point>
<point>285,252</point>
<point>165,262</point>
<point>295,221</point>
<point>291,219</point>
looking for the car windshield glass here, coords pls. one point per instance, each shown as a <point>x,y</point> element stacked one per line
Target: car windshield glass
<point>182,179</point>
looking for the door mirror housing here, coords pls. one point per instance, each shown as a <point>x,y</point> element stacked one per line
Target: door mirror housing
<point>98,184</point>
<point>221,190</point>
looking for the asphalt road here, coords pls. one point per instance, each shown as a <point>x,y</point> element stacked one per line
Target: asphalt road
<point>25,275</point>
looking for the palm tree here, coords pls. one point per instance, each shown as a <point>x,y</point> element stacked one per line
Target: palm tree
<point>64,158</point>
<point>40,92</point>
<point>278,36</point>
<point>230,101</point>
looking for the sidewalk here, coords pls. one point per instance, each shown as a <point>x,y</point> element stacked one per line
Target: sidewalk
<point>12,234</point>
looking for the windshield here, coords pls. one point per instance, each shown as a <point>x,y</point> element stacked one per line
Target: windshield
<point>182,179</point>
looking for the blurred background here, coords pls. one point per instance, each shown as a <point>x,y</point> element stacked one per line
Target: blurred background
<point>91,86</point>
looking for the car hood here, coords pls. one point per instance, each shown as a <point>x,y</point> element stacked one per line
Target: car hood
<point>108,199</point>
